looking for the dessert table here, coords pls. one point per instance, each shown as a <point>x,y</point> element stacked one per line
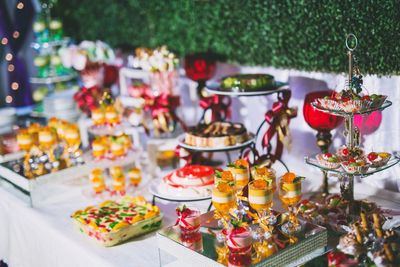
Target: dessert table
<point>44,236</point>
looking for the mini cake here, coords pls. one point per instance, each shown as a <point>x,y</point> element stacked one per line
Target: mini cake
<point>98,116</point>
<point>379,159</point>
<point>97,179</point>
<point>46,137</point>
<point>112,116</point>
<point>247,82</point>
<point>117,147</point>
<point>260,195</point>
<point>240,171</point>
<point>99,149</point>
<point>134,176</point>
<point>189,181</point>
<point>216,135</point>
<point>223,198</point>
<point>355,166</point>
<point>344,153</point>
<point>24,140</point>
<point>328,160</point>
<point>113,222</point>
<point>118,178</point>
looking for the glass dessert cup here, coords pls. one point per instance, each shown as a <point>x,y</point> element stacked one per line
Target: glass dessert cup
<point>260,199</point>
<point>264,173</point>
<point>135,177</point>
<point>193,241</point>
<point>188,220</point>
<point>97,179</point>
<point>290,195</point>
<point>223,200</point>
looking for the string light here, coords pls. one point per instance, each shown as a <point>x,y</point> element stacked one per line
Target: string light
<point>9,99</point>
<point>9,57</point>
<point>11,68</point>
<point>20,5</point>
<point>16,34</point>
<point>4,41</point>
<point>14,86</point>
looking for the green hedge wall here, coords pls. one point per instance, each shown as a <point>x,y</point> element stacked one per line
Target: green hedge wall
<point>305,35</point>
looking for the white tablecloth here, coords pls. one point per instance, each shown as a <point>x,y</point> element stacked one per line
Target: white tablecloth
<point>44,236</point>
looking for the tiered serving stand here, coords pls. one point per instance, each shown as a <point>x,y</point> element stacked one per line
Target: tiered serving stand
<point>277,88</point>
<point>352,135</point>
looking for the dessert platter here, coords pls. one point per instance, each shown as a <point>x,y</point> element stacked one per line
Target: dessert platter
<point>189,183</point>
<point>216,136</point>
<point>253,234</point>
<point>113,222</point>
<point>246,85</point>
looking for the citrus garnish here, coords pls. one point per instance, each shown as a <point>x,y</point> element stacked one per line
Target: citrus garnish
<point>241,162</point>
<point>289,177</point>
<point>227,176</point>
<point>260,184</point>
<point>222,187</point>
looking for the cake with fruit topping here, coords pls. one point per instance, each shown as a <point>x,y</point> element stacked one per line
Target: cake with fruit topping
<point>378,159</point>
<point>216,135</point>
<point>189,181</point>
<point>247,82</point>
<point>329,160</point>
<point>346,153</point>
<point>113,222</point>
<point>355,166</point>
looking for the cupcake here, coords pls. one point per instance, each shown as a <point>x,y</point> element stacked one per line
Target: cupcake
<point>353,166</point>
<point>379,159</point>
<point>329,160</point>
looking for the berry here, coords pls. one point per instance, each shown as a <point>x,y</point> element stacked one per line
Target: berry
<point>351,160</point>
<point>372,156</point>
<point>329,155</point>
<point>345,151</point>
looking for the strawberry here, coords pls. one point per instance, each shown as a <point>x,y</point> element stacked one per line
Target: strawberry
<point>328,155</point>
<point>345,151</point>
<point>372,156</point>
<point>351,160</point>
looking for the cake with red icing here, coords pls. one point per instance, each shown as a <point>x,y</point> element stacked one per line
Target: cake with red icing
<point>191,180</point>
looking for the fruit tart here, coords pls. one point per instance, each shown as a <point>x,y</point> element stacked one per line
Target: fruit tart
<point>113,222</point>
<point>378,159</point>
<point>328,160</point>
<point>355,166</point>
<point>345,153</point>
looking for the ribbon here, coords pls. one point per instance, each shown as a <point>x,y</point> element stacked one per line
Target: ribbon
<point>229,236</point>
<point>218,105</point>
<point>278,119</point>
<point>182,219</point>
<point>13,36</point>
<point>162,109</point>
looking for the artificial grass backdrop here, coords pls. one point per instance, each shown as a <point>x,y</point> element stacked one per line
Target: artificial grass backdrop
<point>304,35</point>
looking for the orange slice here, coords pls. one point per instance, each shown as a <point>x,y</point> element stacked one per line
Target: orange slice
<point>241,162</point>
<point>289,177</point>
<point>227,176</point>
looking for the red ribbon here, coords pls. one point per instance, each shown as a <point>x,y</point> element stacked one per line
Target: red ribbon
<point>163,104</point>
<point>181,218</point>
<point>273,118</point>
<point>219,106</point>
<point>230,238</point>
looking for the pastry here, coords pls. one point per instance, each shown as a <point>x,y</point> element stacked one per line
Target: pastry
<point>98,116</point>
<point>189,181</point>
<point>247,82</point>
<point>329,160</point>
<point>345,153</point>
<point>216,135</point>
<point>113,222</point>
<point>355,166</point>
<point>379,159</point>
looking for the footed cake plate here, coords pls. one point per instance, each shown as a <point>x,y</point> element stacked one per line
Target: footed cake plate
<point>154,190</point>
